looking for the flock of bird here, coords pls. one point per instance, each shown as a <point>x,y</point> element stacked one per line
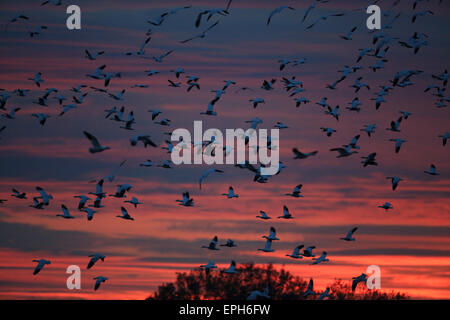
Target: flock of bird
<point>381,42</point>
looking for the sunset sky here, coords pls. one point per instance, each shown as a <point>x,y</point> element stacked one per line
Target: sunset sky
<point>410,243</point>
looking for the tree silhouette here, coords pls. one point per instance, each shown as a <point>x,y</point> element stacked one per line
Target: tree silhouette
<point>213,285</point>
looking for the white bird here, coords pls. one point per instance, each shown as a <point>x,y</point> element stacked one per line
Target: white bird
<point>201,35</point>
<point>93,56</point>
<point>16,18</point>
<point>420,14</point>
<point>96,146</point>
<point>158,21</point>
<point>66,213</point>
<point>386,206</point>
<point>155,113</point>
<point>67,107</point>
<point>97,203</point>
<point>348,36</point>
<point>78,88</point>
<point>210,110</point>
<point>4,98</point>
<point>121,190</point>
<point>163,122</point>
<point>134,201</point>
<point>268,85</point>
<point>257,101</point>
<point>232,268</point>
<point>46,197</point>
<point>329,131</point>
<point>118,96</point>
<point>349,236</point>
<point>37,31</point>
<point>19,195</point>
<point>210,265</point>
<point>283,63</point>
<point>230,193</point>
<point>296,192</point>
<point>263,215</point>
<point>444,137</point>
<point>108,76</point>
<point>272,234</point>
<point>254,122</point>
<point>286,214</point>
<point>230,244</point>
<point>36,204</point>
<point>192,85</point>
<point>296,253</point>
<point>301,100</point>
<point>256,294</point>
<point>268,246</point>
<point>151,72</point>
<point>301,155</point>
<point>12,114</point>
<point>169,147</point>
<point>432,170</point>
<point>145,140</point>
<point>324,18</point>
<point>355,105</point>
<point>333,112</point>
<point>444,76</point>
<point>354,142</point>
<point>395,125</point>
<point>98,281</point>
<point>377,66</point>
<point>405,114</point>
<point>378,101</point>
<point>53,2</point>
<point>98,74</point>
<point>210,13</point>
<point>141,50</point>
<point>212,245</point>
<point>161,57</point>
<point>344,152</point>
<point>358,279</point>
<point>173,84</point>
<point>94,259</point>
<point>309,289</point>
<point>322,258</point>
<point>40,265</point>
<point>125,214</point>
<point>42,117</point>
<point>395,181</point>
<point>280,125</point>
<point>323,103</point>
<point>308,252</point>
<point>311,7</point>
<point>398,144</point>
<point>99,190</point>
<point>206,174</point>
<point>369,160</point>
<point>178,71</point>
<point>325,294</point>
<point>186,201</point>
<point>369,129</point>
<point>277,10</point>
<point>90,213</point>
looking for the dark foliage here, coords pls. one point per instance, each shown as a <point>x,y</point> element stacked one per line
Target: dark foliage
<point>197,284</point>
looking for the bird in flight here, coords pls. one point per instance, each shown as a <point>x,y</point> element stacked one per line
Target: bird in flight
<point>349,236</point>
<point>96,146</point>
<point>40,265</point>
<point>276,11</point>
